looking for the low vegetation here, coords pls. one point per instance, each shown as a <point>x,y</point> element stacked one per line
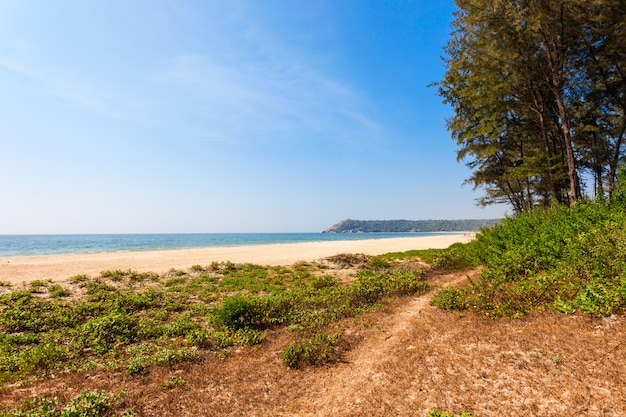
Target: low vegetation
<point>87,404</point>
<point>128,321</point>
<point>566,259</point>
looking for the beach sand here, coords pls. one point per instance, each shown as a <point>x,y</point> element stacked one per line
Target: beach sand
<point>61,267</point>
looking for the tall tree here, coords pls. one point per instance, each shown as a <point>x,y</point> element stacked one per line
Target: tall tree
<point>537,92</point>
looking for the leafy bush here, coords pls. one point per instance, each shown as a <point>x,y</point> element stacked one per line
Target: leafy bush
<point>370,287</point>
<point>86,404</point>
<point>91,404</point>
<point>22,312</point>
<point>57,291</point>
<point>238,311</point>
<point>451,298</point>
<point>318,349</point>
<point>567,258</point>
<point>171,356</point>
<point>41,359</point>
<point>136,366</point>
<point>245,311</point>
<point>457,257</point>
<point>102,333</point>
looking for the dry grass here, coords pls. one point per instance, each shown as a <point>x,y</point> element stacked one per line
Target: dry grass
<point>402,360</point>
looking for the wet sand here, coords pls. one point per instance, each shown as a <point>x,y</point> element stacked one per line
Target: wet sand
<point>60,267</point>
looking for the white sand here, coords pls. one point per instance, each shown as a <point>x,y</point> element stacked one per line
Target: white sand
<point>60,267</point>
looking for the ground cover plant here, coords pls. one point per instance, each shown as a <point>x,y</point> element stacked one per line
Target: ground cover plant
<point>568,259</point>
<point>86,404</point>
<point>131,322</point>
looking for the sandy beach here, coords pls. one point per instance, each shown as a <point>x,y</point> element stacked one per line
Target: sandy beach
<point>60,267</point>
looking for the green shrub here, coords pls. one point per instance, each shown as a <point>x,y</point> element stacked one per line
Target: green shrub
<point>378,262</point>
<point>92,404</point>
<point>41,359</point>
<point>79,278</point>
<point>172,356</point>
<point>595,299</point>
<point>40,406</point>
<point>102,333</point>
<point>370,286</point>
<point>316,350</point>
<point>57,291</point>
<point>238,311</point>
<point>177,272</point>
<point>181,326</point>
<point>86,404</point>
<point>564,258</point>
<point>244,311</point>
<point>136,366</point>
<point>292,355</point>
<point>37,286</point>
<point>199,337</point>
<point>451,298</point>
<point>115,275</point>
<point>323,282</point>
<point>23,312</point>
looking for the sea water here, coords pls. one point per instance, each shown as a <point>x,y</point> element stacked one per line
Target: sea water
<point>33,245</point>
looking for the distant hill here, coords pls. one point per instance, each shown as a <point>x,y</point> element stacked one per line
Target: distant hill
<point>408,226</point>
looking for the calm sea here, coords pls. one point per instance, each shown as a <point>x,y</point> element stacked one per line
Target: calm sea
<point>32,245</point>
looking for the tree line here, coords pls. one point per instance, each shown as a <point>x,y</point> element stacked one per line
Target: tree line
<point>538,90</point>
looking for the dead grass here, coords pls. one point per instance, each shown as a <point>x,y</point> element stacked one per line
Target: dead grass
<point>403,360</point>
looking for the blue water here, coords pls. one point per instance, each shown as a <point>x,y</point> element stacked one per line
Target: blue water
<point>32,245</point>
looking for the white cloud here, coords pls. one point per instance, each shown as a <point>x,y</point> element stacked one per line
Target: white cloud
<point>273,96</point>
<point>226,77</point>
<point>92,95</point>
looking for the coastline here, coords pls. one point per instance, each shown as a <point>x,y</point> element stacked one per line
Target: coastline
<point>60,267</point>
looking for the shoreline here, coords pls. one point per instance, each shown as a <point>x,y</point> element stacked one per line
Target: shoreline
<point>16,270</point>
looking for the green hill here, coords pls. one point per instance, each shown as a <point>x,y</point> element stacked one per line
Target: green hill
<point>408,226</point>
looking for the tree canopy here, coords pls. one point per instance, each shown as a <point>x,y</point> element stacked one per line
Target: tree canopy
<point>538,91</point>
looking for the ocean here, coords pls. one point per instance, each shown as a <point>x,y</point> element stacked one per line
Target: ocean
<point>34,245</point>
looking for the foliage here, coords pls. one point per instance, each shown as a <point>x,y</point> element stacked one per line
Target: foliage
<point>537,89</point>
<point>566,258</point>
<point>173,381</point>
<point>451,299</point>
<point>456,257</point>
<point>102,333</point>
<point>57,291</point>
<point>124,320</point>
<point>317,349</point>
<point>86,404</point>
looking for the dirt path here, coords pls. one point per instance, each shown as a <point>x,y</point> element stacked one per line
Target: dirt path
<point>363,376</point>
<point>419,358</point>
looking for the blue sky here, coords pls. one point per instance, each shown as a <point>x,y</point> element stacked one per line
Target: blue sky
<point>224,116</point>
